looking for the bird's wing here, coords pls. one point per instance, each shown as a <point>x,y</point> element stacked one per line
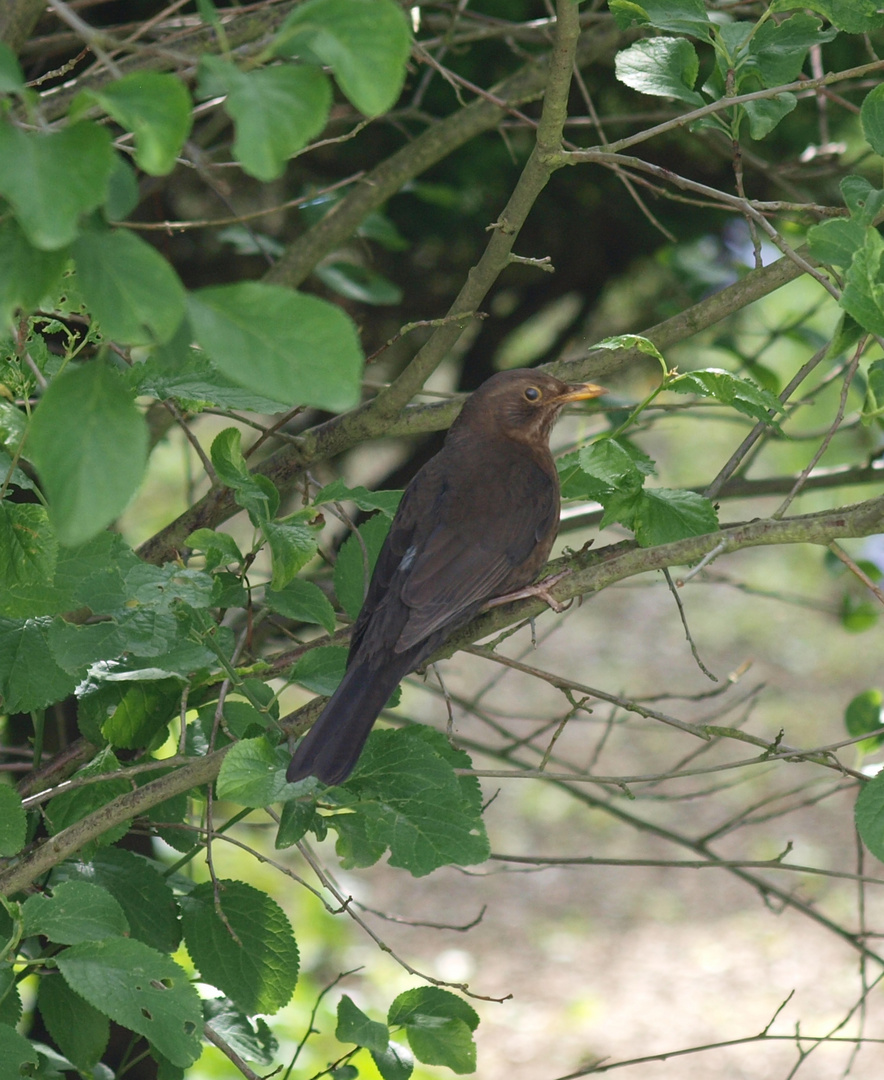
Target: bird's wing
<point>464,561</point>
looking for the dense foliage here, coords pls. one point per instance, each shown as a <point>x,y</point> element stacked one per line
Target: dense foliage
<point>209,218</point>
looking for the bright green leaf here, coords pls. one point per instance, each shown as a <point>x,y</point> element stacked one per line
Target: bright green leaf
<point>869,815</point>
<point>253,773</point>
<point>30,677</point>
<point>439,1026</point>
<point>675,16</point>
<point>140,889</point>
<point>836,241</point>
<point>28,555</point>
<point>11,78</point>
<point>741,394</point>
<point>52,178</point>
<point>156,108</point>
<point>864,714</point>
<point>872,118</point>
<point>89,442</point>
<point>366,43</point>
<point>863,295</point>
<point>292,545</point>
<point>777,50</point>
<point>355,1027</point>
<point>27,274</point>
<point>864,201</point>
<point>276,110</point>
<point>664,516</point>
<point>412,802</point>
<point>303,601</point>
<point>661,67</point>
<point>18,1056</point>
<point>294,348</point>
<point>13,822</point>
<point>765,113</point>
<point>853,16</point>
<point>128,287</point>
<point>259,971</point>
<point>76,911</point>
<point>141,989</point>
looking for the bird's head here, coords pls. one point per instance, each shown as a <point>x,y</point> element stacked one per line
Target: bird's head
<point>522,404</point>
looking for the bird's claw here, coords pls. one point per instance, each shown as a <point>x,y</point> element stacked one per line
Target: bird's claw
<point>541,589</point>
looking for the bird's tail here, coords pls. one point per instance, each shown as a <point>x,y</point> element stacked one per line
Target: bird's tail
<point>330,749</point>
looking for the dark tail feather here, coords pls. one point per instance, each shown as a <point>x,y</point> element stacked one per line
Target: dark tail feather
<point>330,749</point>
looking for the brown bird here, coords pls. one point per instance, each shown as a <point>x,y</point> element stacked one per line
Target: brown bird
<point>476,523</point>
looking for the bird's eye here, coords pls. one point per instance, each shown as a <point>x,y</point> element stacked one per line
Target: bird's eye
<point>532,393</point>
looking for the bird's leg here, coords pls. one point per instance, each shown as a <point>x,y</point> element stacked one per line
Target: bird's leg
<point>541,589</point>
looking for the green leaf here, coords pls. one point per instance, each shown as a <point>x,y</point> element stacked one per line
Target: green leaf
<point>616,463</point>
<point>28,555</point>
<point>276,110</point>
<point>254,1043</point>
<point>864,202</point>
<point>872,118</point>
<point>395,1062</point>
<point>141,891</point>
<point>869,815</point>
<point>253,773</point>
<point>72,806</point>
<point>765,113</point>
<point>219,548</point>
<point>176,370</point>
<point>128,287</point>
<point>294,348</point>
<point>337,491</point>
<point>355,1027</point>
<point>80,1031</point>
<point>863,295</point>
<point>155,108</point>
<point>676,16</point>
<point>122,194</point>
<point>873,406</point>
<point>412,802</point>
<point>88,440</point>
<point>259,971</point>
<point>853,16</point>
<point>52,178</point>
<point>865,714</point>
<point>836,241</point>
<point>30,678</point>
<point>777,50</point>
<point>11,78</point>
<point>292,545</point>
<point>303,601</point>
<point>741,394</point>
<point>141,989</point>
<point>320,669</point>
<point>661,67</point>
<point>366,43</point>
<point>440,1027</point>
<point>17,1054</point>
<point>356,560</point>
<point>13,822</point>
<point>296,818</point>
<point>664,516</point>
<point>359,283</point>
<point>144,710</point>
<point>76,911</point>
<point>27,274</point>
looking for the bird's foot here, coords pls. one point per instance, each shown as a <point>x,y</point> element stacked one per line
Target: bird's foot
<point>541,589</point>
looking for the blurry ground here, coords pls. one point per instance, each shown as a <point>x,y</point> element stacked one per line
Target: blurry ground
<point>622,963</point>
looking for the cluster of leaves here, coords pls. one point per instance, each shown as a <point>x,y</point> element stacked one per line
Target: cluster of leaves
<point>747,56</point>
